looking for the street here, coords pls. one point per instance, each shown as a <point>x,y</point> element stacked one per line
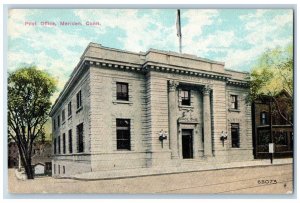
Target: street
<point>277,179</point>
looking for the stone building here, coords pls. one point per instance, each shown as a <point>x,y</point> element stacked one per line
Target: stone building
<point>126,110</point>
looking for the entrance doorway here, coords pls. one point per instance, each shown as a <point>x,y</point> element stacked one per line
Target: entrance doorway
<point>187,143</point>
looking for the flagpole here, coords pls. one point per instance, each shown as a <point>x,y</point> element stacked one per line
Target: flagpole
<point>180,44</point>
<point>178,25</point>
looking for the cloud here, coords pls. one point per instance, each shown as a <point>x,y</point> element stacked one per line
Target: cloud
<point>206,33</point>
<point>197,20</point>
<point>261,30</point>
<point>16,21</point>
<point>41,43</point>
<point>138,35</point>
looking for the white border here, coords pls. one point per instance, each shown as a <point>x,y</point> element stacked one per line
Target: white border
<point>133,3</point>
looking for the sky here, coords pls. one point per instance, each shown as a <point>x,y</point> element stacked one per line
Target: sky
<point>236,37</point>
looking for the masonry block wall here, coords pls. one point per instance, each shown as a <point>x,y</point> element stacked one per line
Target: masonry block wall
<point>107,110</point>
<point>67,163</point>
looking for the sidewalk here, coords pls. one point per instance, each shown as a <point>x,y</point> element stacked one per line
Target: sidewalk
<point>128,173</point>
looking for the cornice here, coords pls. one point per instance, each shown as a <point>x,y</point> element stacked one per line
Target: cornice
<point>144,68</point>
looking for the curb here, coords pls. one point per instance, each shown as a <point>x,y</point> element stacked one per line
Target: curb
<point>179,172</point>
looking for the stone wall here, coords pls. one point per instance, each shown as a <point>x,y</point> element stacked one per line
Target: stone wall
<point>74,162</point>
<point>242,116</point>
<point>106,109</point>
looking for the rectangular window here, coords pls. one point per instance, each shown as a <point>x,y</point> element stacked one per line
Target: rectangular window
<point>54,144</point>
<point>58,121</point>
<point>54,123</point>
<point>263,136</point>
<point>80,146</point>
<point>54,167</point>
<point>234,101</point>
<point>264,118</point>
<point>69,109</point>
<point>186,97</point>
<point>63,115</point>
<point>58,142</point>
<point>235,135</point>
<point>58,169</point>
<point>122,91</point>
<point>123,134</point>
<point>64,143</point>
<point>280,137</point>
<point>79,99</point>
<point>64,170</point>
<point>70,142</point>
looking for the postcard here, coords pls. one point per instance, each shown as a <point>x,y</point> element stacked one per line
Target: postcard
<point>150,101</point>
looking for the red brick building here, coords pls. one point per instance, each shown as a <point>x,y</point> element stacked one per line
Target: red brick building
<point>13,155</point>
<point>281,126</point>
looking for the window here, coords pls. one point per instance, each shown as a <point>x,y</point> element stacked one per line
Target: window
<point>64,143</point>
<point>280,137</point>
<point>58,169</point>
<point>79,100</point>
<point>54,123</point>
<point>58,121</point>
<point>264,118</point>
<point>263,136</point>
<point>186,97</point>
<point>70,142</point>
<point>123,134</point>
<point>235,135</point>
<point>122,91</point>
<point>58,138</point>
<point>80,138</point>
<point>54,144</point>
<point>63,115</point>
<point>54,167</point>
<point>69,109</point>
<point>234,101</point>
<point>64,170</point>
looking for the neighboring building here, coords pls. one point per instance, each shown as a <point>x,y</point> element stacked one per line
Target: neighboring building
<point>41,156</point>
<point>13,155</point>
<point>281,126</point>
<point>123,110</point>
<point>39,169</point>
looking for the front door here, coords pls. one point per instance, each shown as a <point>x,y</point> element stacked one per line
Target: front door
<point>187,144</point>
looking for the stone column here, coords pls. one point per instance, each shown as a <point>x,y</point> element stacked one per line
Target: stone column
<point>207,121</point>
<point>173,138</point>
<point>196,142</point>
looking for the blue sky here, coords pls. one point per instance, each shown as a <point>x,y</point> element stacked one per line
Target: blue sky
<point>234,36</point>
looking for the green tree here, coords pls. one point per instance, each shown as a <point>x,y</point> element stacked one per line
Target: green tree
<point>272,75</point>
<point>29,92</point>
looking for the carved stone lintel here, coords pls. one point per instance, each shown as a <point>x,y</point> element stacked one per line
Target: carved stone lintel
<point>187,117</point>
<point>173,85</point>
<point>206,90</point>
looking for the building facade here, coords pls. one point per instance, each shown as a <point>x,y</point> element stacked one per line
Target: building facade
<point>279,122</point>
<point>123,110</point>
<point>41,156</point>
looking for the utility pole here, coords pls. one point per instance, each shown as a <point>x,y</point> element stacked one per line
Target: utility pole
<point>271,133</point>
